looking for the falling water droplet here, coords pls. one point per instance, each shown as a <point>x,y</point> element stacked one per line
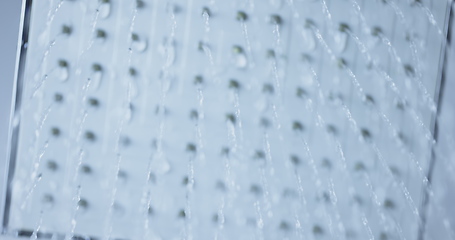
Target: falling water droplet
<point>206,14</point>
<point>139,44</point>
<point>96,77</point>
<point>105,9</point>
<point>240,58</point>
<point>63,70</point>
<point>241,61</point>
<point>129,113</point>
<point>341,37</point>
<point>133,87</point>
<point>376,35</point>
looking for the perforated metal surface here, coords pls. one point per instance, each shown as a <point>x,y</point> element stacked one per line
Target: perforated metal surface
<point>235,119</point>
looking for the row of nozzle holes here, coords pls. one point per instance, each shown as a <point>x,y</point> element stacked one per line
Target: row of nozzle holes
<point>284,225</point>
<point>22,233</point>
<point>241,15</point>
<point>388,204</point>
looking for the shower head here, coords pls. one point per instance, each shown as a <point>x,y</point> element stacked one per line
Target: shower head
<point>200,119</point>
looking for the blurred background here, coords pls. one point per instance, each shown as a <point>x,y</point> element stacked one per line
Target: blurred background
<point>10,13</point>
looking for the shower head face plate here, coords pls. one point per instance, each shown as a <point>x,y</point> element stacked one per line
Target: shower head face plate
<point>232,119</point>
